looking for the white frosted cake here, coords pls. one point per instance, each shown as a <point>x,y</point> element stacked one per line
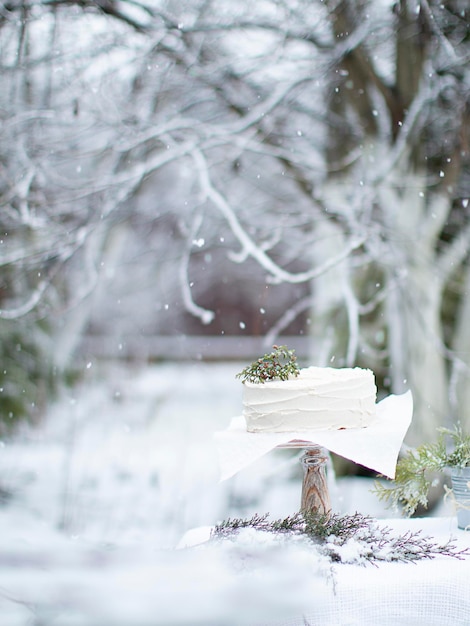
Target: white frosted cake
<point>318,398</point>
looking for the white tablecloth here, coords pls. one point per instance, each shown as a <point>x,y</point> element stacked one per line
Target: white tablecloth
<point>434,592</point>
<point>249,581</point>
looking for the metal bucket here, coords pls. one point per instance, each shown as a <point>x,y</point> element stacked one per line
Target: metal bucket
<point>461,488</point>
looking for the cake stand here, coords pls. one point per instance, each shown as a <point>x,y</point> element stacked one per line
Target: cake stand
<point>376,446</point>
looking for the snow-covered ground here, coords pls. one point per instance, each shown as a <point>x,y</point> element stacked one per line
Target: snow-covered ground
<point>100,494</point>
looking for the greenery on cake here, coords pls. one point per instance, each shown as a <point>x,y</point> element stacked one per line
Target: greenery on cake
<point>280,364</point>
<point>353,538</point>
<point>416,470</point>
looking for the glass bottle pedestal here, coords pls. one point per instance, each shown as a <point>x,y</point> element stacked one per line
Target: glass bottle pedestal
<point>315,496</point>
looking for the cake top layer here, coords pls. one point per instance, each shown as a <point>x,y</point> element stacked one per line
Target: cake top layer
<point>314,376</point>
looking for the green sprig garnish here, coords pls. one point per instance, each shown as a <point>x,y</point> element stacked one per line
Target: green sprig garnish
<point>280,364</point>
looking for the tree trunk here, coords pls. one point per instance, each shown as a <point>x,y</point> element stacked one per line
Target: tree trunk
<point>327,332</point>
<point>413,303</point>
<point>417,361</point>
<point>460,377</point>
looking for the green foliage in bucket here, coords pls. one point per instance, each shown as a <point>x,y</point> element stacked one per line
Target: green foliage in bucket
<point>416,470</point>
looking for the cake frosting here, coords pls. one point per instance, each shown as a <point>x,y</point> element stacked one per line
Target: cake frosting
<point>318,398</point>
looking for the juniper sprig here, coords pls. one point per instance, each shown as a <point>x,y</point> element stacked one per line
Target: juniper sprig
<point>280,364</point>
<point>417,469</point>
<point>333,535</point>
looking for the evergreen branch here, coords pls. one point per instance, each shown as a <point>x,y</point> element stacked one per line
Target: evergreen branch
<point>280,364</point>
<point>231,526</point>
<point>353,538</point>
<point>415,471</point>
<point>460,455</point>
<point>413,478</point>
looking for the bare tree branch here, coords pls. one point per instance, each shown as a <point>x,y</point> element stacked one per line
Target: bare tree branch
<point>203,314</point>
<point>287,318</point>
<point>453,254</point>
<point>247,243</point>
<point>108,7</point>
<point>27,306</point>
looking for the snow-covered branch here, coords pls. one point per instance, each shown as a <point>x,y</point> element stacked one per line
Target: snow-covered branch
<point>135,174</point>
<point>250,247</point>
<point>28,305</point>
<point>106,7</point>
<point>203,314</point>
<point>62,252</point>
<point>439,206</point>
<point>261,110</point>
<point>454,254</point>
<point>283,29</point>
<point>287,318</point>
<point>443,40</point>
<point>402,145</point>
<point>352,309</point>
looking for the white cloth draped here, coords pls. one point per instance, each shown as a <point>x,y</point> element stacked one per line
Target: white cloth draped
<point>375,447</point>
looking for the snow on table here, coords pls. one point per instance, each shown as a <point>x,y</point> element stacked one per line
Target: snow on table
<point>252,579</point>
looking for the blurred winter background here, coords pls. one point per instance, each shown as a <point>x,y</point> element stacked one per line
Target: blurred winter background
<point>183,184</point>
